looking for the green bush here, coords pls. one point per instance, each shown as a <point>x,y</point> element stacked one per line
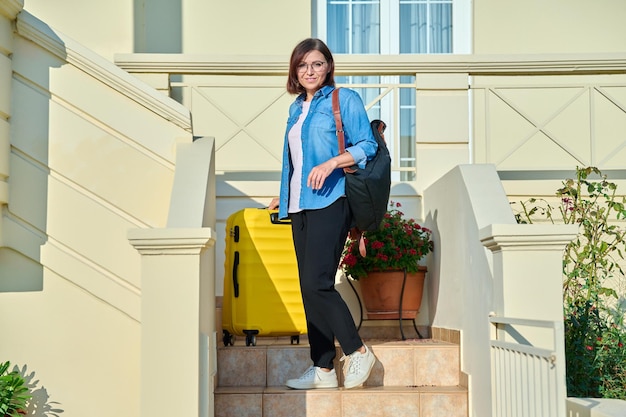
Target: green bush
<point>595,333</point>
<point>14,393</point>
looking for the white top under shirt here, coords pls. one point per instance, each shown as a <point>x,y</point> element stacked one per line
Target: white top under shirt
<point>295,151</point>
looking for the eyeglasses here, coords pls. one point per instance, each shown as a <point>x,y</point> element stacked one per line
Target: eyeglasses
<point>317,66</point>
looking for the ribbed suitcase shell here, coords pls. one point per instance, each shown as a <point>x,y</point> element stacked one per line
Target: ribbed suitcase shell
<point>261,287</point>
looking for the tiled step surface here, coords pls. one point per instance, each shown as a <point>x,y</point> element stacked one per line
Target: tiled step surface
<point>410,378</point>
<point>368,401</point>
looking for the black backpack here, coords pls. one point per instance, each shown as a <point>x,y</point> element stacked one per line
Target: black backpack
<point>367,189</point>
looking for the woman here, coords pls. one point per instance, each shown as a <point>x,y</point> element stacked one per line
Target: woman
<point>312,195</point>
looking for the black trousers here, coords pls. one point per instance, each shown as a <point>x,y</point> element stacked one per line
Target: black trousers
<point>319,237</point>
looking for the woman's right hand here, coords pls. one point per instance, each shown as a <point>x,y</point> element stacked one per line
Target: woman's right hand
<point>274,203</point>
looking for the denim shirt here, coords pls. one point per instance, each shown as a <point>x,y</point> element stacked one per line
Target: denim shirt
<point>319,144</point>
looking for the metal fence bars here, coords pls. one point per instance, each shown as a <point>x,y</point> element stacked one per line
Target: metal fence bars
<point>528,378</point>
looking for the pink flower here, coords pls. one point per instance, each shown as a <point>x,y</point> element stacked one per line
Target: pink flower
<point>589,348</point>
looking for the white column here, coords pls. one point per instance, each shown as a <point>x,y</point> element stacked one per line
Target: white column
<point>177,325</point>
<point>442,125</point>
<point>528,268</point>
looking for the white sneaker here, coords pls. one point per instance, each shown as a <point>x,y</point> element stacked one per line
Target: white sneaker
<point>359,367</point>
<point>314,377</point>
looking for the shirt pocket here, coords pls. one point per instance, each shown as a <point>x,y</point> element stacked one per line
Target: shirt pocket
<point>322,122</point>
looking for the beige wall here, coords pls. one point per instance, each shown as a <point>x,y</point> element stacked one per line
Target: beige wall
<point>246,27</point>
<point>92,155</point>
<point>548,26</point>
<point>83,353</point>
<point>274,26</point>
<point>106,27</point>
<point>179,26</point>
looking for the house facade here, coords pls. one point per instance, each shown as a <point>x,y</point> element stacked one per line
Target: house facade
<point>130,131</point>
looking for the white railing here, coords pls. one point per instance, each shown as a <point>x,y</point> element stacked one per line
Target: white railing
<point>527,380</point>
<point>441,110</point>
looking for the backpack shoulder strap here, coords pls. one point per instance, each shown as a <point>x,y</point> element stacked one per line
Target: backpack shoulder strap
<point>341,140</point>
<point>338,122</point>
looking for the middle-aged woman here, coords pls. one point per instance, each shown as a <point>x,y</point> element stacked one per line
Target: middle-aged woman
<point>312,195</point>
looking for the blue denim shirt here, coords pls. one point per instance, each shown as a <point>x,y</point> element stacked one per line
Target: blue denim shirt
<point>319,144</point>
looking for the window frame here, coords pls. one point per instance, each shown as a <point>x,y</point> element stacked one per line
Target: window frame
<point>389,17</point>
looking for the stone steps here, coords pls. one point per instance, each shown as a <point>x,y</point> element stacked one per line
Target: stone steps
<point>416,377</point>
<point>367,401</point>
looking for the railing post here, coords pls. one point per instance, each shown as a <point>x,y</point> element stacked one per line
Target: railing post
<point>442,136</point>
<point>176,322</point>
<point>528,283</point>
<point>528,268</point>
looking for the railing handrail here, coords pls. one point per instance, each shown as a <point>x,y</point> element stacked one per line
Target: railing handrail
<point>402,64</point>
<point>529,350</point>
<point>523,322</point>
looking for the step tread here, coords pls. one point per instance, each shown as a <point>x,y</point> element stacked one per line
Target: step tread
<point>362,390</point>
<point>270,342</point>
<point>386,401</point>
<point>408,362</point>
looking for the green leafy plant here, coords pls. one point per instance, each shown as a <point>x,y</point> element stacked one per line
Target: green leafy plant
<point>399,244</point>
<point>594,323</point>
<point>14,392</point>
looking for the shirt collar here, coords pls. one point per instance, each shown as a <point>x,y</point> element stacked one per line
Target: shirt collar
<point>324,91</point>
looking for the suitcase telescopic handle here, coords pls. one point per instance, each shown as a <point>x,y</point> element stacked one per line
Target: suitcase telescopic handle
<point>275,220</point>
<point>235,279</point>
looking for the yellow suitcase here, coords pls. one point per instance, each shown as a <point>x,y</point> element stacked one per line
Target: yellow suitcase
<point>261,288</point>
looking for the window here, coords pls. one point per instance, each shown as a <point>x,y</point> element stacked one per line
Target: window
<point>393,27</point>
<point>425,26</point>
<point>353,26</point>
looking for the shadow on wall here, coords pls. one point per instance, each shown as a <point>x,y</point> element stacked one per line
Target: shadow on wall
<point>19,273</point>
<point>39,405</point>
<point>157,26</point>
<point>434,266</point>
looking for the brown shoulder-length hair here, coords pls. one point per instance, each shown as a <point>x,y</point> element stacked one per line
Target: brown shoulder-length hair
<point>297,56</point>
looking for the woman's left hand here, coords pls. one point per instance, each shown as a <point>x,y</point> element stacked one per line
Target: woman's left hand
<point>319,173</point>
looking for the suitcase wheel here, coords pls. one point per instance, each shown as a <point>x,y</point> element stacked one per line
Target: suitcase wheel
<point>228,339</point>
<point>295,340</point>
<point>251,337</point>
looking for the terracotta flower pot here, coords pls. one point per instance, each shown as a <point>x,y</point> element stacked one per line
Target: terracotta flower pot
<point>381,294</point>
